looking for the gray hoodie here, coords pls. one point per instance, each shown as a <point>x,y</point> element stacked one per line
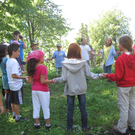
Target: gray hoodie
<point>73,74</point>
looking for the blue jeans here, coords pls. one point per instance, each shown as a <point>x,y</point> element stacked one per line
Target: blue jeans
<point>108,69</point>
<point>82,101</point>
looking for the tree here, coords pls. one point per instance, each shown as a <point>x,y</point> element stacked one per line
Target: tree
<point>38,20</point>
<point>112,24</point>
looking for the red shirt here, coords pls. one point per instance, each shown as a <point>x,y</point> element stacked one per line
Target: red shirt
<point>124,71</point>
<point>40,70</point>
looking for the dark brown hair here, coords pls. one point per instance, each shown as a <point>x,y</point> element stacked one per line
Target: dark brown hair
<point>3,49</point>
<point>127,43</point>
<point>74,51</point>
<point>31,64</point>
<point>110,43</point>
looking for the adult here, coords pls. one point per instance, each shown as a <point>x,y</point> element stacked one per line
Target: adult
<point>22,46</point>
<point>85,50</point>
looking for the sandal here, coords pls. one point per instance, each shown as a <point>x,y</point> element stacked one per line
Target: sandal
<point>117,132</point>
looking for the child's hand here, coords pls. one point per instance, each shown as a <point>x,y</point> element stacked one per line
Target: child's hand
<point>26,78</point>
<point>55,82</point>
<point>104,75</point>
<point>23,72</point>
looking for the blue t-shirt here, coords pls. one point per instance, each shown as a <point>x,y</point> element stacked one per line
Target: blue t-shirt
<point>4,73</point>
<point>21,48</point>
<point>59,57</point>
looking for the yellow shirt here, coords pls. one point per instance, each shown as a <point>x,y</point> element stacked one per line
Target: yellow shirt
<point>106,52</point>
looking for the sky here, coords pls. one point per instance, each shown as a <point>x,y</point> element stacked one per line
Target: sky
<point>83,11</point>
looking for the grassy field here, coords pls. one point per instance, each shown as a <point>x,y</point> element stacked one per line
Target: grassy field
<point>101,107</point>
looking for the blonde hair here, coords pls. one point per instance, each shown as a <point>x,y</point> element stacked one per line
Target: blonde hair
<point>127,43</point>
<point>106,41</point>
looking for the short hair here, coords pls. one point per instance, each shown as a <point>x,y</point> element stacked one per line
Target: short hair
<point>82,39</point>
<point>74,51</point>
<point>16,32</point>
<point>13,47</point>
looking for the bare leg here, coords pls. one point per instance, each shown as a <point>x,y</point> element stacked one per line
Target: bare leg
<point>17,109</point>
<point>36,121</point>
<point>47,121</point>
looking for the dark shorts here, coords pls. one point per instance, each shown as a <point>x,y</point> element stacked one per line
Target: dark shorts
<point>17,96</point>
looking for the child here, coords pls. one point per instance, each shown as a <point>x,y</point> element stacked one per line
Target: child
<point>3,61</point>
<point>85,50</point>
<point>125,79</point>
<point>15,80</point>
<point>33,46</point>
<point>59,56</point>
<point>73,74</point>
<point>108,54</point>
<point>40,92</point>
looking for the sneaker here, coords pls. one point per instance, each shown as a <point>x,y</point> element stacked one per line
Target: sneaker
<point>14,116</point>
<point>68,130</point>
<point>21,119</point>
<point>117,132</point>
<point>85,129</point>
<point>37,126</point>
<point>47,126</point>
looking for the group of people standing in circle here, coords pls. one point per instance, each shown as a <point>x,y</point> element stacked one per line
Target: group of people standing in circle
<point>74,71</point>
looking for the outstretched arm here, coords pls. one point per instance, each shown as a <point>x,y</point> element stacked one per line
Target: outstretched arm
<point>94,53</point>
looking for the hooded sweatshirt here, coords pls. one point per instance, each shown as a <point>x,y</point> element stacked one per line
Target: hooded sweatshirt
<point>124,71</point>
<point>73,74</point>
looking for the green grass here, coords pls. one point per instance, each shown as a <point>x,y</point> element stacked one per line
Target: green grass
<point>101,105</point>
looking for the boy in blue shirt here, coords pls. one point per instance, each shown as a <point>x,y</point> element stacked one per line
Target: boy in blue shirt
<point>59,56</point>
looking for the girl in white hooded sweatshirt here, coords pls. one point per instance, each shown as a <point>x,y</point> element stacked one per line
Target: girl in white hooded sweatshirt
<point>74,71</point>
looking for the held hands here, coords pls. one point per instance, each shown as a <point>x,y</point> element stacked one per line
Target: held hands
<point>26,78</point>
<point>54,81</point>
<point>104,75</point>
<point>23,72</point>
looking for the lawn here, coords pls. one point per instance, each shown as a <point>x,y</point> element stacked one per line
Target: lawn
<point>101,105</point>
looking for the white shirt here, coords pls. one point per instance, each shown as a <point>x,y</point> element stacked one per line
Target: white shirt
<point>85,49</point>
<point>12,67</point>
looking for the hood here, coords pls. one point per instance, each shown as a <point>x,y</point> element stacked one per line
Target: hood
<point>130,60</point>
<point>74,65</point>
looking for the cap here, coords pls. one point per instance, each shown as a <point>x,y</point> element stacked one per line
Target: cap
<point>58,44</point>
<point>34,43</point>
<point>38,55</point>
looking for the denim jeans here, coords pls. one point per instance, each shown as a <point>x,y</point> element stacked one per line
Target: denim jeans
<point>108,69</point>
<point>82,101</point>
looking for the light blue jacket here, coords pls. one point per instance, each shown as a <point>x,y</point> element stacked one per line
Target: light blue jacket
<point>112,54</point>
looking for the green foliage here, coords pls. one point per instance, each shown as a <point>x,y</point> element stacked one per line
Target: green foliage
<point>112,23</point>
